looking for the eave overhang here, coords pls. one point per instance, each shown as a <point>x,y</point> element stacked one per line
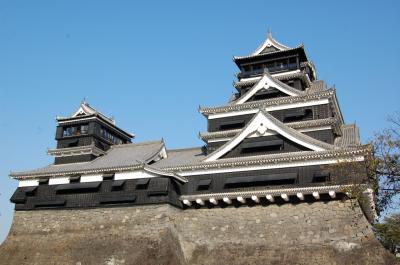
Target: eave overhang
<point>72,151</point>
<point>239,60</point>
<point>105,170</point>
<point>268,102</point>
<point>267,82</point>
<point>74,120</point>
<point>284,77</point>
<point>310,124</point>
<point>276,159</point>
<point>268,191</point>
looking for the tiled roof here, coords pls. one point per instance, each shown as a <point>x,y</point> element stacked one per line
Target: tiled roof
<point>317,86</point>
<point>268,102</point>
<point>274,83</point>
<point>350,136</point>
<point>271,158</point>
<point>295,125</point>
<point>252,81</point>
<point>179,157</point>
<point>269,42</point>
<point>268,120</point>
<point>123,158</point>
<point>238,58</point>
<point>118,157</point>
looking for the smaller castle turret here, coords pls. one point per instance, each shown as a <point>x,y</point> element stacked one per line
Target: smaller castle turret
<point>86,135</point>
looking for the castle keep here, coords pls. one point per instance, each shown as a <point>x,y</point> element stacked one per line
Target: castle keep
<point>261,189</point>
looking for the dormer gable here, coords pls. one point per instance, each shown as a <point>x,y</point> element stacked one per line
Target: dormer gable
<point>263,125</point>
<point>267,82</point>
<point>85,135</point>
<point>270,45</point>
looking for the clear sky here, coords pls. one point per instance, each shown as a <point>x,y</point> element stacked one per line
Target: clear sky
<point>150,64</point>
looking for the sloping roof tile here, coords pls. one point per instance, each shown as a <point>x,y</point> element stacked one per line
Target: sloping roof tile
<point>119,156</point>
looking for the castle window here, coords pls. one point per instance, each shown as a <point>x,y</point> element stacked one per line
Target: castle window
<point>106,134</point>
<point>282,64</point>
<point>321,177</point>
<point>262,146</point>
<point>158,187</point>
<point>142,184</point>
<point>75,180</point>
<point>75,130</point>
<point>108,176</point>
<point>73,144</point>
<point>204,184</point>
<point>44,182</point>
<point>298,115</point>
<point>263,180</point>
<point>268,93</point>
<point>257,67</point>
<point>30,191</point>
<point>230,125</point>
<point>292,63</point>
<point>270,66</point>
<point>118,185</point>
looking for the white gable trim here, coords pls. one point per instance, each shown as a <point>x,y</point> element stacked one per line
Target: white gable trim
<point>268,43</point>
<point>313,129</point>
<point>270,108</point>
<point>261,124</point>
<point>267,82</point>
<point>274,75</point>
<point>84,109</point>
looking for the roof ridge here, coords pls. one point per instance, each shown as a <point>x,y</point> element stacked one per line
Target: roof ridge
<point>266,102</point>
<point>272,158</point>
<point>267,81</point>
<point>136,144</point>
<point>180,149</point>
<point>263,54</point>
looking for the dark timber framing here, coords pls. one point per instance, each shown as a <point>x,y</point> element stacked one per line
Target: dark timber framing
<point>273,142</point>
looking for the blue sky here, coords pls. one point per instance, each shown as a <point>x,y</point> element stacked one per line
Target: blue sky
<point>150,64</point>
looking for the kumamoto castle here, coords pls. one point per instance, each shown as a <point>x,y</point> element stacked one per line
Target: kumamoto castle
<point>261,190</point>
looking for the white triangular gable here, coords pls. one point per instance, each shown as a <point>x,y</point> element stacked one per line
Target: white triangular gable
<point>268,82</point>
<point>84,109</point>
<point>270,42</point>
<point>264,124</point>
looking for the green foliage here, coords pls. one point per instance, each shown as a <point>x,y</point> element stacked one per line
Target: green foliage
<point>388,232</point>
<point>386,162</point>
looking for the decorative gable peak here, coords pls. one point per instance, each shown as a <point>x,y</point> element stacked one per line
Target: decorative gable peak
<point>85,109</point>
<point>266,82</point>
<point>264,124</point>
<point>270,45</point>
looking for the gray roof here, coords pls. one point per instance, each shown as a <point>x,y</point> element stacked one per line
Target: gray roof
<point>272,158</point>
<point>236,58</point>
<point>350,136</point>
<point>118,157</point>
<point>267,102</point>
<point>179,157</point>
<point>317,86</point>
<point>277,81</point>
<point>135,156</point>
<point>302,75</point>
<point>294,125</point>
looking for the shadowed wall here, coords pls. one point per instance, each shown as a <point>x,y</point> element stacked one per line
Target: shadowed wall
<point>318,233</point>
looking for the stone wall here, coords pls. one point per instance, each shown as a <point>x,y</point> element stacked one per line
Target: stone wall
<point>317,233</point>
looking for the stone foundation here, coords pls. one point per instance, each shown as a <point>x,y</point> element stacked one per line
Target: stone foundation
<point>318,233</point>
